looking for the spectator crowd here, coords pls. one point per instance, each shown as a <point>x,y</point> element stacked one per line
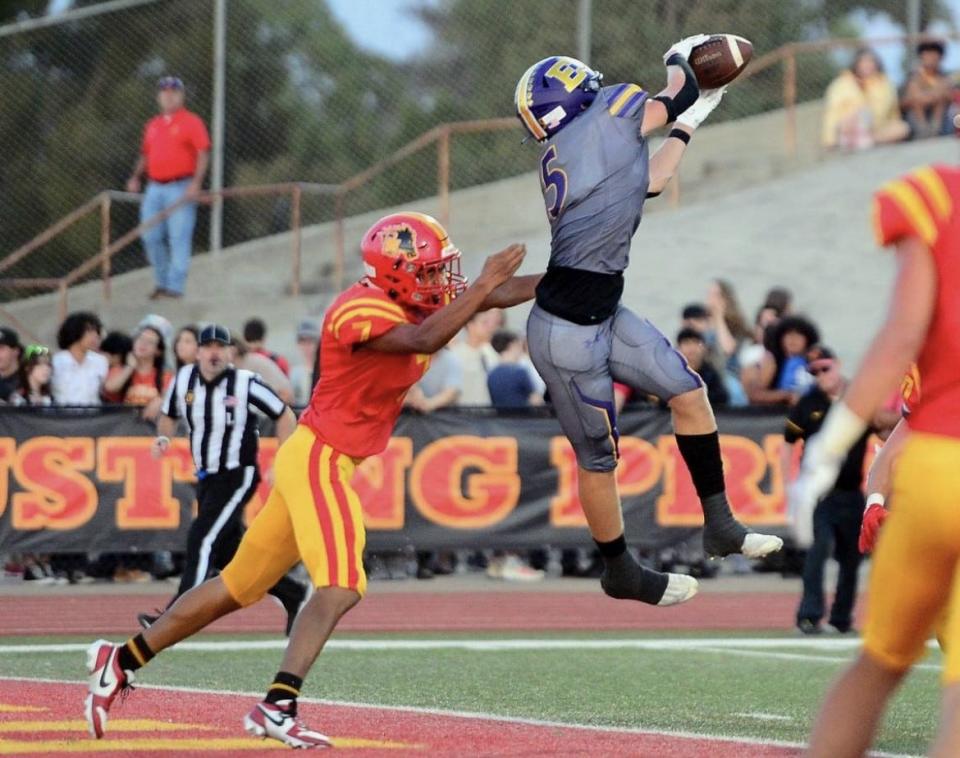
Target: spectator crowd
<point>862,108</point>
<point>762,362</point>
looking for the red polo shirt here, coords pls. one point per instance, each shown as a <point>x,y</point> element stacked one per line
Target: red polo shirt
<point>171,144</point>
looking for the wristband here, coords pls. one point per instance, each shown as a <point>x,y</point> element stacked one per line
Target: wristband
<point>841,430</point>
<point>680,135</point>
<point>876,499</point>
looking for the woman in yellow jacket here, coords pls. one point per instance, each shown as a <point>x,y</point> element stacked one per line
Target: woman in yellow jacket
<point>861,108</point>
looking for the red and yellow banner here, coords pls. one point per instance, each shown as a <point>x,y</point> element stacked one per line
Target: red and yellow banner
<point>471,478</point>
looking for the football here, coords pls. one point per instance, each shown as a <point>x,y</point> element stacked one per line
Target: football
<point>720,59</point>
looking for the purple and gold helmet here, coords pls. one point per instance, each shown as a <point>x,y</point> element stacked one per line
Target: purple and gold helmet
<point>552,92</point>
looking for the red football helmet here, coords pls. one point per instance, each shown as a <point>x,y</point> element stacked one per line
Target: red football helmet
<point>409,256</point>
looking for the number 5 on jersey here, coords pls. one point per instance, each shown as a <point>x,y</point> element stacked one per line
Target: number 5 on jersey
<point>553,178</point>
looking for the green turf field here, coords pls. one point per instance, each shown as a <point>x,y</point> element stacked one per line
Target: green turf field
<point>745,686</point>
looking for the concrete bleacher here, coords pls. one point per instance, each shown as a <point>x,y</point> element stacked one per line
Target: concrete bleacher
<point>748,214</point>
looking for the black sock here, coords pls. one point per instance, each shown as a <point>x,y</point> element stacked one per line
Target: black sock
<point>625,579</point>
<point>285,686</point>
<point>134,654</point>
<point>612,549</point>
<point>722,534</point>
<point>701,453</point>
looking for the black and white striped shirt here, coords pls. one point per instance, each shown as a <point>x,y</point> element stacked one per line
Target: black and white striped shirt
<point>223,430</point>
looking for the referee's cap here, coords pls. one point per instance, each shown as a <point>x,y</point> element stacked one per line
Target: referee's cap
<point>215,333</point>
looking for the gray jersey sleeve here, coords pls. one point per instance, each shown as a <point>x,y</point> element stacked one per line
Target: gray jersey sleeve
<point>594,175</point>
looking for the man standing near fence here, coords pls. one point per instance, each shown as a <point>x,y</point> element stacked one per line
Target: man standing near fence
<point>174,155</point>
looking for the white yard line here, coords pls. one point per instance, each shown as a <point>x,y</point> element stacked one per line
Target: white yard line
<point>797,657</point>
<point>761,716</point>
<point>475,716</point>
<point>491,645</point>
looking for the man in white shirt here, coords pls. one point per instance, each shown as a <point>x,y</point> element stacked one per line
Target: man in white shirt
<point>78,369</point>
<point>477,356</point>
<point>440,386</point>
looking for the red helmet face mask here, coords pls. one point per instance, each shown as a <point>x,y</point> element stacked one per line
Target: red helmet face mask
<point>409,256</point>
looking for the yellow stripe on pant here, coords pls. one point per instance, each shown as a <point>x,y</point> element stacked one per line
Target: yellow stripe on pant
<point>915,566</point>
<point>312,514</point>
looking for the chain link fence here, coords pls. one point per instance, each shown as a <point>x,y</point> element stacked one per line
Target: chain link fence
<point>306,100</point>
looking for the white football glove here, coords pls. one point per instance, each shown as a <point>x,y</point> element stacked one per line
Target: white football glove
<point>818,474</point>
<point>697,113</point>
<point>686,45</point>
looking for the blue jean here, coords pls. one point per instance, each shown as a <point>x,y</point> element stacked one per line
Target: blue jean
<point>836,529</point>
<point>168,244</point>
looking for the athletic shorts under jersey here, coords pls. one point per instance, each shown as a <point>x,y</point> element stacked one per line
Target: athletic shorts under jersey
<point>579,364</point>
<point>594,175</point>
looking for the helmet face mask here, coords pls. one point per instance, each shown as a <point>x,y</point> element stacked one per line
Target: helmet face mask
<point>553,92</point>
<point>409,256</point>
<point>440,283</point>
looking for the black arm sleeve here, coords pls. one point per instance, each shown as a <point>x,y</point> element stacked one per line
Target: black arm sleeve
<point>688,93</point>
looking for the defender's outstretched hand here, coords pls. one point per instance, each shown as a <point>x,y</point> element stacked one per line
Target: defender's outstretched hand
<point>499,267</point>
<point>818,474</point>
<point>873,518</point>
<point>697,113</point>
<point>686,45</point>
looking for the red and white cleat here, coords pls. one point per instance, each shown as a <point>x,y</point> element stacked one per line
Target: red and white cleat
<point>277,721</point>
<point>105,682</point>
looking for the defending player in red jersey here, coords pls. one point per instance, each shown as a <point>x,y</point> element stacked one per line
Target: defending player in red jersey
<point>914,575</point>
<point>377,340</point>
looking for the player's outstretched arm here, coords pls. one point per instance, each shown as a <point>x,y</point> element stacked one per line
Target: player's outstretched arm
<point>516,290</point>
<point>879,476</point>
<point>439,327</point>
<point>664,162</point>
<point>681,91</point>
<point>890,354</point>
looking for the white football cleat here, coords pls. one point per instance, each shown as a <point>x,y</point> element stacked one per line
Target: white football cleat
<point>106,680</point>
<point>680,588</point>
<point>760,545</point>
<point>277,721</point>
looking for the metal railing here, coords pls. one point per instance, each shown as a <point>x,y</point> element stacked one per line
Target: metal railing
<point>103,202</point>
<point>441,136</point>
<point>787,56</point>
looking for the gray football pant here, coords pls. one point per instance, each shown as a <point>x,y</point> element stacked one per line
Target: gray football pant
<point>579,365</point>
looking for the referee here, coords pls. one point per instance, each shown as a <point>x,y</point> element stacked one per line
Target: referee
<point>219,405</point>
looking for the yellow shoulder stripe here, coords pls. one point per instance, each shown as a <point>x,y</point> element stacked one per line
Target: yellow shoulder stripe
<point>914,208</point>
<point>935,190</point>
<point>624,98</point>
<point>365,311</point>
<point>372,301</point>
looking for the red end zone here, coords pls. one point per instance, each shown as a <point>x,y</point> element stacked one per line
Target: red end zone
<point>42,719</point>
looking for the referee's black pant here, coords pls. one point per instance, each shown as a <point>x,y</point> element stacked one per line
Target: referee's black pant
<point>218,528</point>
<point>836,530</point>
